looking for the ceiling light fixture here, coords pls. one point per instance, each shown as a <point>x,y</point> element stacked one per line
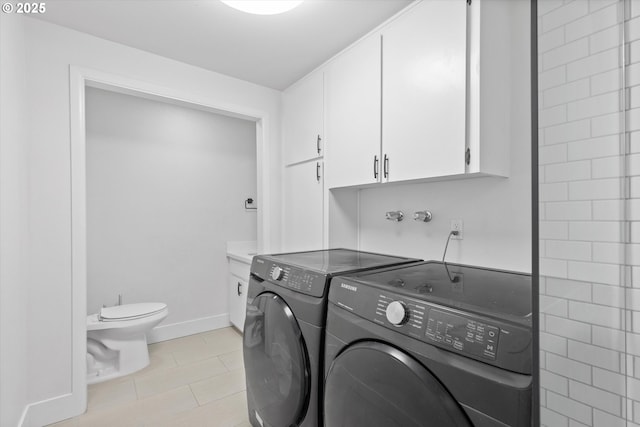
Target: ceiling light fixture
<point>263,7</point>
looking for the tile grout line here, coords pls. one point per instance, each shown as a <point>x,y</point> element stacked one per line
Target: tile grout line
<point>194,396</point>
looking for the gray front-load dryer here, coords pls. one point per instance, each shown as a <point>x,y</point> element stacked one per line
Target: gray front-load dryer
<point>429,345</point>
<point>284,331</point>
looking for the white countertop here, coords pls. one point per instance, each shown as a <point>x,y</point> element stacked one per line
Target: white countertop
<point>242,251</point>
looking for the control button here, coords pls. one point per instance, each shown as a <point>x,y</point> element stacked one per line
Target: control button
<point>277,273</point>
<point>458,345</point>
<point>397,313</point>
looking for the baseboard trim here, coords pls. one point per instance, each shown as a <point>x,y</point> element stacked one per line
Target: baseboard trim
<point>189,327</point>
<point>52,410</point>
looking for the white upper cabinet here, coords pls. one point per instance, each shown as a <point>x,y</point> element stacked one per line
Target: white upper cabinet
<point>494,49</point>
<point>424,92</point>
<point>303,119</point>
<point>353,115</point>
<point>425,97</point>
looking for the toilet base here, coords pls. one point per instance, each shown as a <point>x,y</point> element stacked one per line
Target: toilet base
<point>108,358</point>
<point>118,348</point>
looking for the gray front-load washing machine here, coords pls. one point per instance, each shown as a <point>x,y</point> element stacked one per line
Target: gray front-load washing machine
<point>429,345</point>
<point>284,331</point>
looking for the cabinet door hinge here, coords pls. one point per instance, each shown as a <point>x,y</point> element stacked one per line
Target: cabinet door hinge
<point>467,156</point>
<point>469,2</point>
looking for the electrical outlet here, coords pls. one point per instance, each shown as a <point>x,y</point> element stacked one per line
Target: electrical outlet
<point>457,225</point>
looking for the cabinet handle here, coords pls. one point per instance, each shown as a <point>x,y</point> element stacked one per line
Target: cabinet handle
<point>318,143</point>
<point>467,156</point>
<point>239,288</point>
<point>318,171</point>
<point>385,169</point>
<point>375,167</point>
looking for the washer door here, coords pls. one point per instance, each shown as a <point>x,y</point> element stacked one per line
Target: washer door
<point>375,385</point>
<point>276,362</point>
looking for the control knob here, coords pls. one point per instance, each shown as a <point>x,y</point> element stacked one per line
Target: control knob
<point>277,273</point>
<point>397,313</point>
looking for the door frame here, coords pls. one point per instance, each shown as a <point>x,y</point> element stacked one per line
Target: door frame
<point>80,78</point>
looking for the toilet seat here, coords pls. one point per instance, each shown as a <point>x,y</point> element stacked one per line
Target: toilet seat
<point>130,311</point>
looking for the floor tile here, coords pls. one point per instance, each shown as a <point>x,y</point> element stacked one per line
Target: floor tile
<point>206,390</point>
<point>144,411</point>
<point>195,354</point>
<point>112,392</point>
<point>222,333</point>
<point>178,344</point>
<point>157,362</point>
<point>217,387</point>
<point>178,376</point>
<point>233,361</point>
<point>164,405</point>
<point>227,412</point>
<point>71,422</point>
<point>216,343</point>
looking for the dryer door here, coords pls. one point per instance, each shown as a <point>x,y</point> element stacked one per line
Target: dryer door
<point>375,385</point>
<point>276,363</point>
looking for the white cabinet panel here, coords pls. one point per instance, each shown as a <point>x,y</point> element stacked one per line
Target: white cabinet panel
<point>424,91</point>
<point>353,115</point>
<point>303,119</point>
<point>237,301</point>
<point>238,286</point>
<point>303,206</point>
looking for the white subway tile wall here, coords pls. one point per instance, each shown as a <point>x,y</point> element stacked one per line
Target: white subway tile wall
<point>589,128</point>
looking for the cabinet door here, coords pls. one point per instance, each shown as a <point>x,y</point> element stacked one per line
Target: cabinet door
<point>237,301</point>
<point>353,115</point>
<point>423,91</point>
<point>303,206</point>
<point>303,119</point>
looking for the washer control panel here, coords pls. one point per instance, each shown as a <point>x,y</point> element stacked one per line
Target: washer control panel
<point>461,333</point>
<point>294,278</point>
<point>493,341</point>
<point>445,328</point>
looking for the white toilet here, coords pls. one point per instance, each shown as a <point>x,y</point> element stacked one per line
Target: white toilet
<point>117,340</point>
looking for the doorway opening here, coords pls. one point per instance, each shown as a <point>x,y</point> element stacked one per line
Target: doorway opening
<point>80,80</point>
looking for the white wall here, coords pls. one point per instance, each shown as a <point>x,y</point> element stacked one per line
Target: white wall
<point>165,192</point>
<point>50,52</point>
<point>13,221</point>
<point>496,212</point>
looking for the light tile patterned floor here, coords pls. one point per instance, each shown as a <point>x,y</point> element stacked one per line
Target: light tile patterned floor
<point>195,381</point>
